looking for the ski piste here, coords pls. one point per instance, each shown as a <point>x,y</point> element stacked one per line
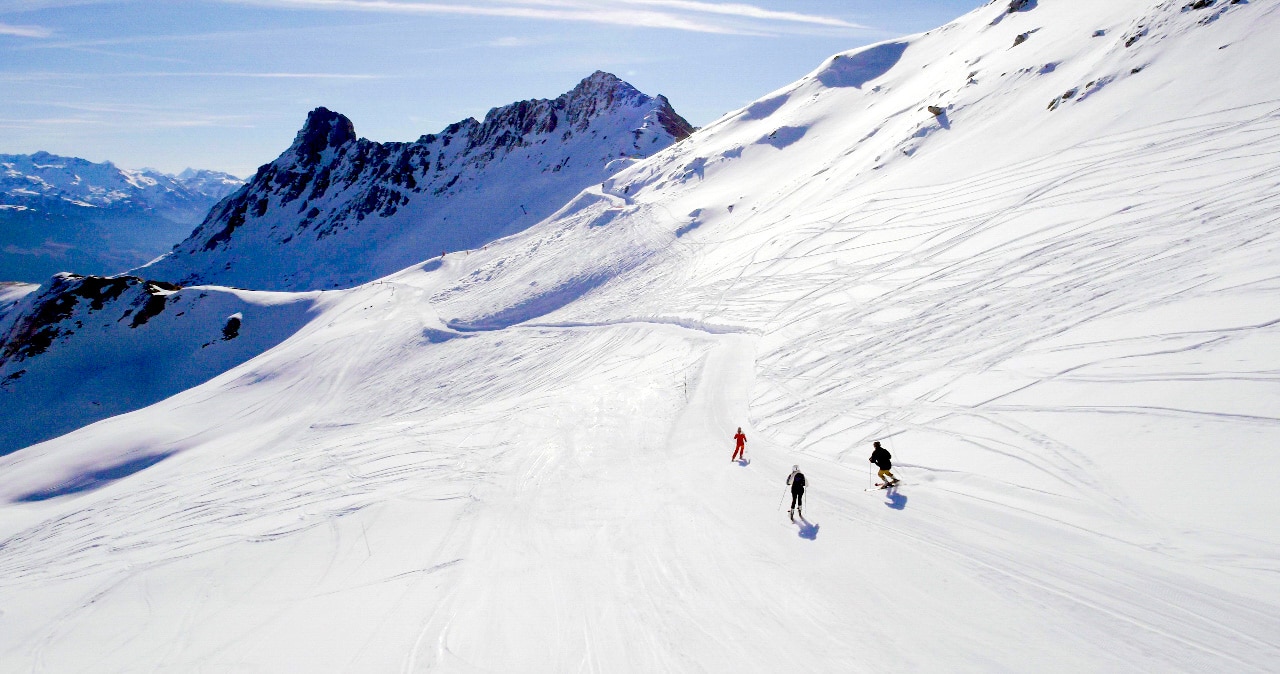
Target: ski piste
<point>386,486</point>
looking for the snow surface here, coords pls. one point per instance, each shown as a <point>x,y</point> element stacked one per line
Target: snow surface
<point>10,294</point>
<point>1062,322</point>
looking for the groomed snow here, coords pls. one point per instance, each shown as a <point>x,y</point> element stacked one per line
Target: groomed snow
<point>1063,323</point>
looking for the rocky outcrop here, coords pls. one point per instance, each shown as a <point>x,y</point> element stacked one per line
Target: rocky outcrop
<point>46,318</point>
<point>84,348</point>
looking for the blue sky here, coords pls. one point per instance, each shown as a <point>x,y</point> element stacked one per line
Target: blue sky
<point>225,84</point>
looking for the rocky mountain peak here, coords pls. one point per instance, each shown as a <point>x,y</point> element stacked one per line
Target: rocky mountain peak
<point>298,221</point>
<point>323,129</point>
<point>602,84</point>
<point>606,88</point>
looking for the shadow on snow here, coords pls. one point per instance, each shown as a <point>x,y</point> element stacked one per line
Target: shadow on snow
<point>807,530</point>
<point>95,479</point>
<point>855,70</point>
<point>895,500</point>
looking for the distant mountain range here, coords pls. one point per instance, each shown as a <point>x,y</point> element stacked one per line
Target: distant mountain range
<point>336,210</point>
<point>70,214</point>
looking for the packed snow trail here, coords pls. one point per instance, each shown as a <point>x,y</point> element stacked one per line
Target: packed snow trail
<point>583,520</point>
<point>621,557</point>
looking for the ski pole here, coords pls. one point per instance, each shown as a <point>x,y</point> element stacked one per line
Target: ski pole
<point>784,498</point>
<point>895,450</point>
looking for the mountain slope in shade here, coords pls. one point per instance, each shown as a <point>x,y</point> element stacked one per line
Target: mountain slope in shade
<point>335,210</point>
<point>1057,310</point>
<point>84,348</point>
<point>69,214</point>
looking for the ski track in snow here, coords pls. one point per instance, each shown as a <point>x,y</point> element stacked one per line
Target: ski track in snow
<point>516,459</point>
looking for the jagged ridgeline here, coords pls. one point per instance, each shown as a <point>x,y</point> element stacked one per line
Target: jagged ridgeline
<point>335,210</point>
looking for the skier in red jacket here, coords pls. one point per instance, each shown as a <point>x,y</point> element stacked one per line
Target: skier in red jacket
<point>742,445</point>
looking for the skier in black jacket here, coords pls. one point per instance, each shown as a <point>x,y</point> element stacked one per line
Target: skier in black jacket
<point>797,482</point>
<point>880,457</point>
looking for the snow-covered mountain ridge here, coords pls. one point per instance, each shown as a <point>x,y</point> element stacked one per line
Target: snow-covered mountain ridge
<point>1062,322</point>
<point>85,183</point>
<point>66,213</point>
<point>336,210</point>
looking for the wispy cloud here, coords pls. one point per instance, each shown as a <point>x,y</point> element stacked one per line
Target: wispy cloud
<point>125,118</point>
<point>685,15</point>
<point>274,75</point>
<point>509,42</point>
<point>44,76</point>
<point>33,5</point>
<point>25,31</point>
<point>748,12</point>
<point>186,38</point>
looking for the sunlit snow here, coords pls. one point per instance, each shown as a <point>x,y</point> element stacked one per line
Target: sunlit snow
<point>1063,323</point>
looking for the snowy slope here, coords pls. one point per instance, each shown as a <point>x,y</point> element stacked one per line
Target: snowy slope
<point>10,294</point>
<point>70,214</point>
<point>335,210</point>
<point>82,348</point>
<point>1061,321</point>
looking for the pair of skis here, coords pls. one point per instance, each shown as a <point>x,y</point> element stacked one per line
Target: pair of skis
<point>883,485</point>
<point>792,513</point>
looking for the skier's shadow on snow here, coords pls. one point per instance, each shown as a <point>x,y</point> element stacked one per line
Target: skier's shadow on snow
<point>808,530</point>
<point>894,499</point>
<point>744,462</point>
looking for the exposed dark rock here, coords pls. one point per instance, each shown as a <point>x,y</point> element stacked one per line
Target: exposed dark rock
<point>12,378</point>
<point>671,122</point>
<point>1021,6</point>
<point>324,129</point>
<point>232,329</point>
<point>152,307</point>
<point>100,290</point>
<point>935,110</point>
<point>35,331</point>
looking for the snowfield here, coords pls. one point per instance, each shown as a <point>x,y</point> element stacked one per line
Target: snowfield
<point>1059,313</point>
